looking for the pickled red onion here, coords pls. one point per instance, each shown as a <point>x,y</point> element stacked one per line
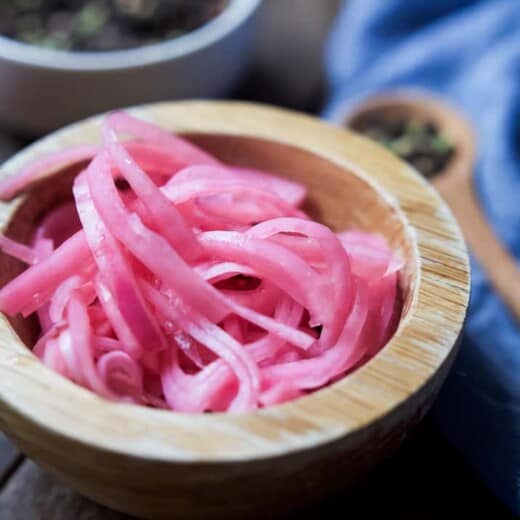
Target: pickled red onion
<point>198,286</point>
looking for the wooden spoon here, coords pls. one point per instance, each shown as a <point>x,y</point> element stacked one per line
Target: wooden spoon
<point>455,184</point>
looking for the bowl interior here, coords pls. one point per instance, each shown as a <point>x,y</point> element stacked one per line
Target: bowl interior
<point>337,197</point>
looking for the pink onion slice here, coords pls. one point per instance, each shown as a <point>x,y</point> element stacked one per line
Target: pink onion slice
<point>175,281</point>
<point>291,192</point>
<point>253,203</point>
<point>216,340</point>
<point>183,150</point>
<point>150,156</point>
<point>53,358</point>
<point>148,246</point>
<point>316,372</point>
<point>280,266</point>
<point>81,341</point>
<point>116,282</point>
<point>38,169</point>
<point>17,250</point>
<point>369,254</point>
<point>32,288</point>
<point>270,345</point>
<point>163,213</point>
<point>332,315</point>
<point>121,374</point>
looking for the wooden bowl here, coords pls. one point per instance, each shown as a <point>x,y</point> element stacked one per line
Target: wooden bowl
<point>160,464</point>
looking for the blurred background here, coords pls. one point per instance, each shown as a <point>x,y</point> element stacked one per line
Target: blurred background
<point>326,58</point>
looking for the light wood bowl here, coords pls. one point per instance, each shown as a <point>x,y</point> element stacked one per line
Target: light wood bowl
<point>159,464</point>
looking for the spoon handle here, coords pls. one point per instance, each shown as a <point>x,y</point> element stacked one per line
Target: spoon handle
<point>500,266</point>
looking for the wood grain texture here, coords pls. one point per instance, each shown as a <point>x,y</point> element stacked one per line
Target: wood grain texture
<point>150,462</point>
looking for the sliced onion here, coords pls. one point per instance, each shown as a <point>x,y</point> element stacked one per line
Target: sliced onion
<point>175,281</point>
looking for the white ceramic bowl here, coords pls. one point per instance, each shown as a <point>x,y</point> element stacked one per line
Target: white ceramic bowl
<point>42,89</point>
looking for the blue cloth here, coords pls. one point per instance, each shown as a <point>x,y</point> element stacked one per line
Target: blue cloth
<point>467,51</point>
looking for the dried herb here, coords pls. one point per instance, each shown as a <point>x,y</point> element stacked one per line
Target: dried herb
<point>419,143</point>
<point>102,25</point>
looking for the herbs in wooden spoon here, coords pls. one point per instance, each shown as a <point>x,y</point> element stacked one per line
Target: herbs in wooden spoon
<point>419,143</point>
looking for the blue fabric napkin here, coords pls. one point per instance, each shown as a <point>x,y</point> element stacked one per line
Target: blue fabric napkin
<point>467,51</point>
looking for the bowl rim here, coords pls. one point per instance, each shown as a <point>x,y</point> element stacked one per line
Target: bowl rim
<point>233,16</point>
<point>426,337</point>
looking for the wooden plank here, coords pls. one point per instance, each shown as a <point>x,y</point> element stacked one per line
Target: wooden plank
<point>400,489</point>
<point>33,494</point>
<point>8,457</point>
<point>8,146</point>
